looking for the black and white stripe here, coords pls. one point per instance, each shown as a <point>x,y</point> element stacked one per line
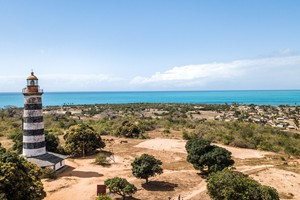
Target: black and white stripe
<point>33,126</point>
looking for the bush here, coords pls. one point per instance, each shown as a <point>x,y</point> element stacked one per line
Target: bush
<point>48,173</point>
<point>101,159</point>
<point>19,179</point>
<point>130,130</point>
<point>241,144</point>
<point>166,131</point>
<point>103,197</point>
<point>120,186</point>
<point>228,184</point>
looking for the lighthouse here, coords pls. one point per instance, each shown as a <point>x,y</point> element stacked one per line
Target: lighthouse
<point>33,125</point>
<point>34,141</point>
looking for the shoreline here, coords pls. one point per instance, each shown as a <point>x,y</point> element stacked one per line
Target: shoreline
<point>256,97</point>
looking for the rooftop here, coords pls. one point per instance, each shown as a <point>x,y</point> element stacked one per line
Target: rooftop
<point>48,159</point>
<point>32,77</point>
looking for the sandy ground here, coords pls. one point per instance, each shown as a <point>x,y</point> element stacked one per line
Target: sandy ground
<point>179,146</point>
<point>179,178</point>
<point>6,143</point>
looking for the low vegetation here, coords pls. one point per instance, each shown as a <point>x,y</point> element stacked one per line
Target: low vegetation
<point>80,128</point>
<point>19,178</point>
<point>134,120</point>
<point>248,135</point>
<point>229,184</point>
<point>120,186</point>
<point>101,159</point>
<point>104,197</point>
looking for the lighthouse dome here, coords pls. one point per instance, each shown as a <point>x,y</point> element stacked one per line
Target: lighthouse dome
<point>32,77</point>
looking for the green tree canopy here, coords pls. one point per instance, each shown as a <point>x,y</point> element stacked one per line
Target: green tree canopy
<point>202,154</point>
<point>120,186</point>
<point>228,184</point>
<point>82,139</point>
<point>129,129</point>
<point>146,166</point>
<point>19,179</point>
<point>52,142</point>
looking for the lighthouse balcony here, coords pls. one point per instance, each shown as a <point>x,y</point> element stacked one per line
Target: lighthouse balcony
<point>32,90</point>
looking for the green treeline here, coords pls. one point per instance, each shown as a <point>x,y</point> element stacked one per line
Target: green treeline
<point>247,135</point>
<point>136,120</point>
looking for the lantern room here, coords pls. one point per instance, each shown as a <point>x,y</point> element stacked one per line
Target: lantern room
<point>32,80</point>
<point>32,86</point>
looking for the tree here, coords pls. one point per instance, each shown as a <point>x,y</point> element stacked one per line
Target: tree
<point>202,154</point>
<point>19,179</point>
<point>146,166</point>
<point>129,129</point>
<point>228,184</point>
<point>120,186</point>
<point>82,139</point>
<point>52,142</point>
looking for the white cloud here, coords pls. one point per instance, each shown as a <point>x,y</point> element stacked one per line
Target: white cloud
<point>209,74</point>
<point>281,72</point>
<point>60,82</point>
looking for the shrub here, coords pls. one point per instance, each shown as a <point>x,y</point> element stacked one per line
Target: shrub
<point>101,159</point>
<point>48,173</point>
<point>166,131</point>
<point>228,184</point>
<point>129,129</point>
<point>120,186</point>
<point>103,197</point>
<point>19,178</point>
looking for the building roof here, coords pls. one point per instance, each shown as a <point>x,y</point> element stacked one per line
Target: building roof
<point>32,77</point>
<point>47,159</point>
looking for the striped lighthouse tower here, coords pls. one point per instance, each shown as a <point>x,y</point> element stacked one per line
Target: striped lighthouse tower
<point>33,125</point>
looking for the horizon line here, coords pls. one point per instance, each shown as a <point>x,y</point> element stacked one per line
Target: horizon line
<point>227,90</point>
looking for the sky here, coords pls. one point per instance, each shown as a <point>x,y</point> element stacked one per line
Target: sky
<point>150,45</point>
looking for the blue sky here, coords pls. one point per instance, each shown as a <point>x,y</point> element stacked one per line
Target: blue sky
<point>150,45</point>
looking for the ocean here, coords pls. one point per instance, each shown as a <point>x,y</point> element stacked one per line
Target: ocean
<point>259,97</point>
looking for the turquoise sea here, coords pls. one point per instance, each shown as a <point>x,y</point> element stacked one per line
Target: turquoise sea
<point>259,97</point>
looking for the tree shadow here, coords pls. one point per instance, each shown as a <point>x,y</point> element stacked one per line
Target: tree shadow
<point>127,198</point>
<point>85,174</point>
<point>132,198</point>
<point>103,164</point>
<point>159,186</point>
<point>80,174</point>
<point>203,174</point>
